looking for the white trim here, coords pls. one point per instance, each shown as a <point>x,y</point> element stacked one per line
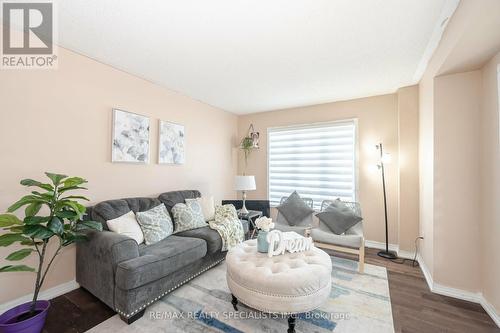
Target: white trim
<point>425,271</point>
<point>45,295</point>
<point>392,247</point>
<point>444,18</point>
<point>475,297</point>
<point>490,310</point>
<point>381,246</point>
<point>470,296</point>
<point>406,254</point>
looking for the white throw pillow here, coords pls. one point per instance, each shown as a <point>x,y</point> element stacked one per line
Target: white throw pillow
<point>207,207</point>
<point>127,225</point>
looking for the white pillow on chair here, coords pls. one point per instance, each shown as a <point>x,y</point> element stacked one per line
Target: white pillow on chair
<point>127,225</point>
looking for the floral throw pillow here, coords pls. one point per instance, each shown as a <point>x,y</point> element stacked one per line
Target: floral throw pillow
<point>225,212</point>
<point>188,216</point>
<point>155,223</point>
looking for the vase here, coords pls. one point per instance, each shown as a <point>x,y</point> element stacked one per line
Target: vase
<point>262,244</point>
<point>10,324</point>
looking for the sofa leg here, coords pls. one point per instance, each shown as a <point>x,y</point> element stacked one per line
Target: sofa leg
<point>130,320</point>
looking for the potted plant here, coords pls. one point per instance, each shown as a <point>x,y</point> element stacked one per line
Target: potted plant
<point>61,221</point>
<point>247,146</point>
<point>249,143</point>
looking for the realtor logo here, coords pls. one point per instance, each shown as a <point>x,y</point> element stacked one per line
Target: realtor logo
<point>28,35</point>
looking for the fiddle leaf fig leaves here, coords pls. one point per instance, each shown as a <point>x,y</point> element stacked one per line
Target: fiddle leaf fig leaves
<point>19,255</point>
<point>59,218</point>
<point>7,220</point>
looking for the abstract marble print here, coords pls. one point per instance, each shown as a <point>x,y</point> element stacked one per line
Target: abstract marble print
<point>130,137</point>
<point>171,146</point>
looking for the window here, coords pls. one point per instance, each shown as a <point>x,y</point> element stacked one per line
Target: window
<point>318,161</point>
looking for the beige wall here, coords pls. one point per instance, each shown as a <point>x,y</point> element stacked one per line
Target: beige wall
<point>60,121</point>
<point>459,214</point>
<point>408,208</point>
<point>377,121</point>
<point>456,185</point>
<point>426,169</point>
<point>490,183</point>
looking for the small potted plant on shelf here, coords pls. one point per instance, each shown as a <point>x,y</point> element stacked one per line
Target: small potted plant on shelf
<point>249,143</point>
<point>264,224</point>
<point>61,222</point>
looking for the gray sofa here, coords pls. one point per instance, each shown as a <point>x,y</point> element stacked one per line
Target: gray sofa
<point>129,277</point>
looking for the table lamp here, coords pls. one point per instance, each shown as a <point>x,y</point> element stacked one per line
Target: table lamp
<point>243,184</point>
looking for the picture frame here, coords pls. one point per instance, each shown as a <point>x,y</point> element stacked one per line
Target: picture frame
<point>130,142</point>
<point>171,143</point>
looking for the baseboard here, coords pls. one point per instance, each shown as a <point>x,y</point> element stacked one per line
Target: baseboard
<point>392,247</point>
<point>426,272</point>
<point>475,297</point>
<point>490,310</point>
<point>470,296</point>
<point>381,246</point>
<point>45,295</point>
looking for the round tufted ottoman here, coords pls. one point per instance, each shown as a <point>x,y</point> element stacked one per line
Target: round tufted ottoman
<point>291,283</point>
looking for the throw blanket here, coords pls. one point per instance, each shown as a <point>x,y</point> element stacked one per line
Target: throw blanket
<point>228,226</point>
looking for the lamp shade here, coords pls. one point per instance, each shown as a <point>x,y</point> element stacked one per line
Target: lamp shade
<point>244,183</point>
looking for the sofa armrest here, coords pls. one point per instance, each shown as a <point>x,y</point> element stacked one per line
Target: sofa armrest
<point>97,259</point>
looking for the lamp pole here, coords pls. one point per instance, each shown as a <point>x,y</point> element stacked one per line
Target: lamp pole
<point>385,254</point>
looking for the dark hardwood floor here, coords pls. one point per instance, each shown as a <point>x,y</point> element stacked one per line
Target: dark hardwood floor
<point>414,307</point>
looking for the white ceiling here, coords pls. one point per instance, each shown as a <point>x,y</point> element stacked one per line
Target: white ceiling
<point>248,56</point>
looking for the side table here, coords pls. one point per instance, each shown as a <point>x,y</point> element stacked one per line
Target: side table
<point>251,216</point>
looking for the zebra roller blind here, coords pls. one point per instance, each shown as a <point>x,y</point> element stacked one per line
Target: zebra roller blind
<point>318,161</point>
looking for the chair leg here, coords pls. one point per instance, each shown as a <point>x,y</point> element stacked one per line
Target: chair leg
<point>362,257</point>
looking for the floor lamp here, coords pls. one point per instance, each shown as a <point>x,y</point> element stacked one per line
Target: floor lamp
<point>385,159</point>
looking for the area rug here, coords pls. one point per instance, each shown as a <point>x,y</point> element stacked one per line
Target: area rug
<point>358,303</point>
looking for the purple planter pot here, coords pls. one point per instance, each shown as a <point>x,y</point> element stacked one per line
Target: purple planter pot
<point>34,324</point>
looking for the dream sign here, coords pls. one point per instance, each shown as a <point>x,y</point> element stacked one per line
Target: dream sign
<point>279,242</point>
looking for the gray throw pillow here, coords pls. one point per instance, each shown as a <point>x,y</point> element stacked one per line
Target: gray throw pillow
<point>155,223</point>
<point>294,209</point>
<point>338,217</point>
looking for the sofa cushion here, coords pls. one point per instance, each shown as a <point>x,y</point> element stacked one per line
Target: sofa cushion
<point>325,237</point>
<point>187,217</point>
<point>294,209</point>
<point>170,199</point>
<point>207,205</point>
<point>210,236</point>
<point>159,260</point>
<point>339,217</point>
<point>127,225</point>
<point>111,209</point>
<point>156,224</point>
